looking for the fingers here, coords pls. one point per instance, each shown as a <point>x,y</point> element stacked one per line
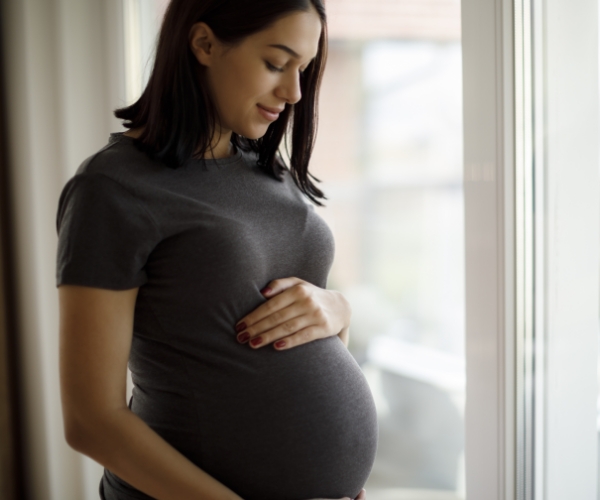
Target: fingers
<point>303,336</point>
<point>276,303</point>
<point>289,313</point>
<point>284,324</point>
<point>265,317</point>
<point>279,285</point>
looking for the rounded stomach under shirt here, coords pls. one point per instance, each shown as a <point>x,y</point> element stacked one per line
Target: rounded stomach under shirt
<point>200,243</point>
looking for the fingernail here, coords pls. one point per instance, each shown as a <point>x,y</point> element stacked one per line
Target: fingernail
<point>280,343</point>
<point>266,290</point>
<point>256,341</point>
<point>240,327</point>
<point>243,337</point>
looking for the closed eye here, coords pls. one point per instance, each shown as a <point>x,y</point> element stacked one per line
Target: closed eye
<point>273,68</point>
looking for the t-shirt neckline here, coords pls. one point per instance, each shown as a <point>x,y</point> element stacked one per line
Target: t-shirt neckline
<point>216,162</point>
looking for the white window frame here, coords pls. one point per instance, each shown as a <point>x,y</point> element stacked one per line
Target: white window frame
<point>532,228</point>
<point>572,250</point>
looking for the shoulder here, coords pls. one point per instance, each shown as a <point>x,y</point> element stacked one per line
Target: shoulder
<point>117,179</point>
<point>118,161</point>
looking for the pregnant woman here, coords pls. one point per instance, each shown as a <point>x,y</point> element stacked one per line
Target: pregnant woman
<point>188,248</point>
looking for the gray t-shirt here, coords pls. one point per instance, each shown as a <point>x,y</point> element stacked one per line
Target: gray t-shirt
<point>201,244</point>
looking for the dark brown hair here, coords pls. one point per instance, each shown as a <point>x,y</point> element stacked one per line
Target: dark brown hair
<point>177,112</point>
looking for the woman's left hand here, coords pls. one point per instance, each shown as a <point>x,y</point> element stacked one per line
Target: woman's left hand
<point>297,312</point>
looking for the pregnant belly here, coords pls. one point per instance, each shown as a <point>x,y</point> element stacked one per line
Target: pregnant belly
<point>292,425</point>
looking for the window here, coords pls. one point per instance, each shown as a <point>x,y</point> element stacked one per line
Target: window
<point>389,153</point>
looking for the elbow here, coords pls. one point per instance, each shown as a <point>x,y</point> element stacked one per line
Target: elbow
<point>76,435</point>
<point>88,432</point>
<point>82,432</point>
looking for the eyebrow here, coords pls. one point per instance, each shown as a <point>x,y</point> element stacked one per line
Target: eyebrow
<point>285,48</point>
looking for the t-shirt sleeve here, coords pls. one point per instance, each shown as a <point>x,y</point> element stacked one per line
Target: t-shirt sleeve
<point>105,234</point>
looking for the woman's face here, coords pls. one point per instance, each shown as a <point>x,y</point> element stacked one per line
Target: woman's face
<point>252,82</point>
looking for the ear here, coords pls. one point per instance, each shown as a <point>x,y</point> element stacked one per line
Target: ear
<point>203,43</point>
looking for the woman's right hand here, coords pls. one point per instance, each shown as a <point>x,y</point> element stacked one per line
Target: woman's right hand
<point>361,496</point>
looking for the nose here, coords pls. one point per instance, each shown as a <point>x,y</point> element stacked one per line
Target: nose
<point>290,89</point>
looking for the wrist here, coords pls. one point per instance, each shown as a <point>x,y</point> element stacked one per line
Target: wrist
<point>344,314</point>
<point>344,335</point>
<point>347,311</point>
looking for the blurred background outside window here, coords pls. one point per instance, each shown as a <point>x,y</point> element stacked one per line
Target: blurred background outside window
<point>389,153</point>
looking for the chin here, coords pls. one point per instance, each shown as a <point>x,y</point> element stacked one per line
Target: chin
<point>252,130</point>
<point>255,137</point>
<point>253,134</point>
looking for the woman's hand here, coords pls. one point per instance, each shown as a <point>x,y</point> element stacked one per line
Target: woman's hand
<point>297,312</point>
<point>361,496</point>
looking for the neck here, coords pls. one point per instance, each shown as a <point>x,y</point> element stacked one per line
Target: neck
<point>221,147</point>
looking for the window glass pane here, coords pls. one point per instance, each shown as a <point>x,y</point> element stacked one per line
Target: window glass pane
<point>389,153</point>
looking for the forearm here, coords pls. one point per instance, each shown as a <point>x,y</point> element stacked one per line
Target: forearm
<point>127,446</point>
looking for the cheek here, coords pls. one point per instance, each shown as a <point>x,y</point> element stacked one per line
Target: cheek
<point>252,81</point>
<point>228,95</point>
<point>239,87</point>
<point>246,95</point>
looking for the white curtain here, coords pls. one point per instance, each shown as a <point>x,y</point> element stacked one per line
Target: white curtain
<point>64,75</point>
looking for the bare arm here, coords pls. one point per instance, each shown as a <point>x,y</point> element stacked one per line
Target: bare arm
<point>96,328</point>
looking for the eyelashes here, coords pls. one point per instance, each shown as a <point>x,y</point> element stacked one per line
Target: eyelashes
<point>275,69</point>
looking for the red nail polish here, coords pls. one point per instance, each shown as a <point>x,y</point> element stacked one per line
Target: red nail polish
<point>240,327</point>
<point>256,341</point>
<point>266,290</point>
<point>243,337</point>
<point>280,343</point>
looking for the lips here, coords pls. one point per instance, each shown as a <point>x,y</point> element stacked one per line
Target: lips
<point>271,110</point>
<point>268,113</point>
